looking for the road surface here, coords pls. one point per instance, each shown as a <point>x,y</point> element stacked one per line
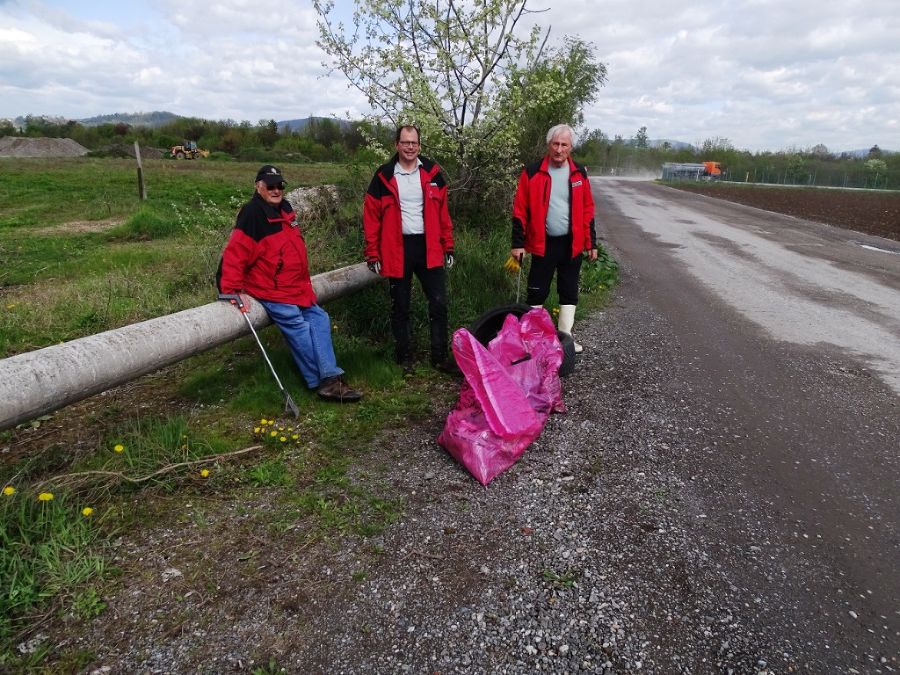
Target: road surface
<point>787,337</point>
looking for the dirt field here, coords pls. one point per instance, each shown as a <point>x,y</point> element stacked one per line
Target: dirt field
<point>871,212</point>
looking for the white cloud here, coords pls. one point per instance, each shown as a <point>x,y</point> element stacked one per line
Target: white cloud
<point>766,74</point>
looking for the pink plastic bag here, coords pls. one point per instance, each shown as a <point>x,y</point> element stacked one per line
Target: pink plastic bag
<point>510,389</point>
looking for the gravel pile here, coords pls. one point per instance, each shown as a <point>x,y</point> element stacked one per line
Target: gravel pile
<point>12,146</point>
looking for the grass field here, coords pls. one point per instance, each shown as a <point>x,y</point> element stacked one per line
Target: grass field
<point>80,254</point>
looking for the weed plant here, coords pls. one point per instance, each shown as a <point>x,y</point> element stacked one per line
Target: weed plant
<point>47,552</point>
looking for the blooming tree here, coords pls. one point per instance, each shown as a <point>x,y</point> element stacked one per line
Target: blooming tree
<point>468,74</point>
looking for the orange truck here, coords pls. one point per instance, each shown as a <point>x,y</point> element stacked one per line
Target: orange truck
<point>712,170</point>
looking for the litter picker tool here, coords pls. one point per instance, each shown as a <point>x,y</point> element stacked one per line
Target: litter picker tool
<point>235,299</point>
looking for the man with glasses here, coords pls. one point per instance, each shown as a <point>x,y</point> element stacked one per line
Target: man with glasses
<point>408,231</point>
<point>265,259</point>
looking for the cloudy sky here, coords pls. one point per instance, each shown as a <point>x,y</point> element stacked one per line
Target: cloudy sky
<point>764,74</point>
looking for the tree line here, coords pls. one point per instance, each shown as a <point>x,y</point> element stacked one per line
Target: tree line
<point>815,166</point>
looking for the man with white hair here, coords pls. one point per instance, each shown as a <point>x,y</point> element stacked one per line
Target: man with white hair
<point>553,220</point>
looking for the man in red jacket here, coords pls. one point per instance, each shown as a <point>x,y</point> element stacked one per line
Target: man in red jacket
<point>553,220</point>
<point>265,258</point>
<point>408,231</point>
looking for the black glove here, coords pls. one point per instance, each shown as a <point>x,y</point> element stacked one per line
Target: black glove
<point>449,260</point>
<point>375,266</point>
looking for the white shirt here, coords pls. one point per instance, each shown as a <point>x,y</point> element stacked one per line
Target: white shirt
<point>409,188</point>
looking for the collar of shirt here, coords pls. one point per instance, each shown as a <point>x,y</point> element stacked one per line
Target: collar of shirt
<point>400,170</point>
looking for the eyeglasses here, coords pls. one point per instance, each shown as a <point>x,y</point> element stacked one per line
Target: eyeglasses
<point>408,144</point>
<point>272,188</point>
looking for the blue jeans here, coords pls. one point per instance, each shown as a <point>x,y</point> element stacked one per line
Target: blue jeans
<point>307,331</point>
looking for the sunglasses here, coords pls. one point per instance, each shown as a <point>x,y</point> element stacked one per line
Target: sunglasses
<point>272,188</point>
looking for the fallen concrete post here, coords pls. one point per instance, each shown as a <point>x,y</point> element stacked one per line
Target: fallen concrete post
<point>39,382</point>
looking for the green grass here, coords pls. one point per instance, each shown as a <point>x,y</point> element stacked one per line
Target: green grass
<point>48,552</point>
<point>108,255</point>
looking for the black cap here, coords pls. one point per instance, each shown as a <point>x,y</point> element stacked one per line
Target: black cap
<point>270,174</point>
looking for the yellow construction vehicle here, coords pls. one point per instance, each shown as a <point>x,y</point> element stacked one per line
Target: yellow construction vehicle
<point>188,150</point>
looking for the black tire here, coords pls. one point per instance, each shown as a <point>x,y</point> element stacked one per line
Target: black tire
<point>486,327</point>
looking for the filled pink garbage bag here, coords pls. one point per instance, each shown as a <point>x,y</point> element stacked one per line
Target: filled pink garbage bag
<point>510,389</point>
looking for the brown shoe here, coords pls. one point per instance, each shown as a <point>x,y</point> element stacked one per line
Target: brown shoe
<point>335,389</point>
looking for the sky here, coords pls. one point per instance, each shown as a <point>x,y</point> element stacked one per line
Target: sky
<point>763,74</point>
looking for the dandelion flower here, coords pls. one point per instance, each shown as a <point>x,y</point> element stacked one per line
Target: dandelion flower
<point>295,437</point>
<point>204,473</point>
<point>9,490</point>
<point>119,447</point>
<point>11,306</point>
<point>45,497</point>
<point>264,421</point>
<point>282,439</point>
<point>273,433</point>
<point>87,511</point>
<point>256,430</point>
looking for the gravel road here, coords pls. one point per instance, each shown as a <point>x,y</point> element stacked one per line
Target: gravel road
<point>720,497</point>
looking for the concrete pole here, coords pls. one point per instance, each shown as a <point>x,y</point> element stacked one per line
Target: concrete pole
<point>39,382</point>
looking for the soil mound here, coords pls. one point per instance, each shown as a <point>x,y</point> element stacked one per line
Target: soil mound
<point>13,146</point>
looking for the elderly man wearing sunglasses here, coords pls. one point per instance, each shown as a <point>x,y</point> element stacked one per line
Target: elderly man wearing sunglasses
<point>265,259</point>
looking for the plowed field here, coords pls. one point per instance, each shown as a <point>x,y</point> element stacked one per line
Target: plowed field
<point>871,212</point>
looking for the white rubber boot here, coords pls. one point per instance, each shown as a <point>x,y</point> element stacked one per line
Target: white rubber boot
<point>566,321</point>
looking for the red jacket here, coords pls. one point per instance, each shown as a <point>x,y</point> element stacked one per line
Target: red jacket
<point>382,223</point>
<point>533,199</point>
<point>266,256</point>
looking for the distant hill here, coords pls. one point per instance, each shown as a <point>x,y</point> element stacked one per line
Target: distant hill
<point>151,119</point>
<point>302,123</point>
<point>864,152</point>
<point>675,145</point>
<point>159,118</point>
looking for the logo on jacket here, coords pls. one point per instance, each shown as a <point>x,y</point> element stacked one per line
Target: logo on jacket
<point>576,184</point>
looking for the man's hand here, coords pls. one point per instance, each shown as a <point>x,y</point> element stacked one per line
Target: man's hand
<point>374,266</point>
<point>449,260</point>
<point>592,254</point>
<point>518,254</point>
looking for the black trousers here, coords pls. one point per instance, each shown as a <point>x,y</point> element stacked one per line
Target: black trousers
<point>557,258</point>
<point>435,287</point>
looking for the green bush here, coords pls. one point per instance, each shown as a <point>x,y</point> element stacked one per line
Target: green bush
<point>600,274</point>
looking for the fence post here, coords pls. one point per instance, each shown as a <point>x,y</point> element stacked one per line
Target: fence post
<point>142,194</point>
